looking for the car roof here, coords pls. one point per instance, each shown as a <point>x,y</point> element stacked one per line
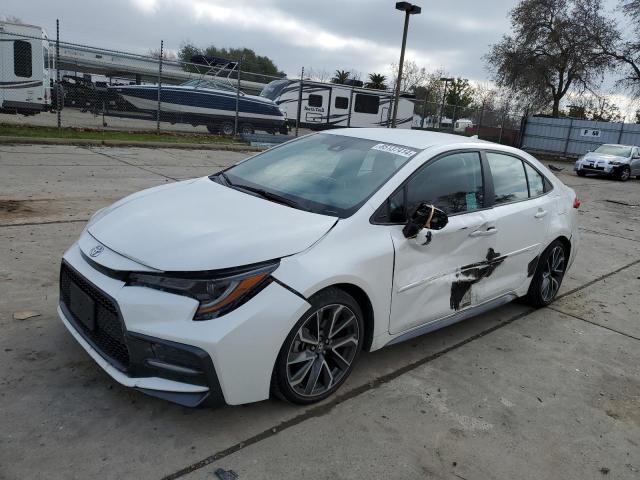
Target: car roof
<point>410,138</point>
<point>616,145</point>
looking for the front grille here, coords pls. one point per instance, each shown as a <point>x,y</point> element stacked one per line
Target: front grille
<point>108,334</point>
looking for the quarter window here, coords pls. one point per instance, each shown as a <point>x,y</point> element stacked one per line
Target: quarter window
<point>22,58</point>
<point>536,181</point>
<point>366,103</point>
<point>509,179</point>
<point>315,100</point>
<point>342,102</point>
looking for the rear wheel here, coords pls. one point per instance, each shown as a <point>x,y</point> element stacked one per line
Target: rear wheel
<point>624,174</point>
<point>227,129</point>
<point>548,276</point>
<point>247,128</point>
<point>320,351</point>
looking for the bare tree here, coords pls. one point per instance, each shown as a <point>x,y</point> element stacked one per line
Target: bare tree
<point>413,76</point>
<point>166,54</point>
<point>550,51</point>
<point>318,75</point>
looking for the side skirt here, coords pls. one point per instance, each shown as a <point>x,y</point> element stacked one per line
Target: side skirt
<point>455,318</point>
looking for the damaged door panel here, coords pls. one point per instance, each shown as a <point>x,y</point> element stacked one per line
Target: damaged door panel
<point>424,275</point>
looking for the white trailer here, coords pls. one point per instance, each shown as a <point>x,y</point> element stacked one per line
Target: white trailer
<point>330,105</point>
<point>25,69</point>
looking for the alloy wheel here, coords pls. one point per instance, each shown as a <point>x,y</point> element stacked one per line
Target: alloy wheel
<point>552,273</point>
<point>323,350</point>
<point>625,174</point>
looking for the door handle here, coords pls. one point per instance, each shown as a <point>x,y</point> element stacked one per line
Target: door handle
<point>484,233</point>
<point>540,214</point>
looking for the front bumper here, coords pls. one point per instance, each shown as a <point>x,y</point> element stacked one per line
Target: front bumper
<point>599,168</point>
<point>228,360</point>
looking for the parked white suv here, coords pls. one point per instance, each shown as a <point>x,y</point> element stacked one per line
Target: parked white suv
<point>272,276</point>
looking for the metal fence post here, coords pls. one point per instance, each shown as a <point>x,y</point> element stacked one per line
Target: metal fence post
<point>58,106</point>
<point>621,131</point>
<point>504,112</point>
<point>566,142</point>
<point>480,119</point>
<point>159,86</point>
<point>350,107</point>
<point>299,102</point>
<point>235,127</point>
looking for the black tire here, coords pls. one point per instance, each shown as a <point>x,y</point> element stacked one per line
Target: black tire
<point>538,296</point>
<point>581,173</point>
<point>624,174</point>
<point>212,128</point>
<point>247,128</point>
<point>227,129</point>
<point>291,375</point>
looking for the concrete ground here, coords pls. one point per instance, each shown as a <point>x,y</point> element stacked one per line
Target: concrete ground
<point>515,393</point>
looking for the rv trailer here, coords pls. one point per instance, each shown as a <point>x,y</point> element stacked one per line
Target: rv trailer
<point>26,66</point>
<point>330,105</point>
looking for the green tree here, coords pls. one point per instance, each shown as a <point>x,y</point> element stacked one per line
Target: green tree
<point>460,95</point>
<point>340,77</point>
<point>377,81</point>
<point>251,62</point>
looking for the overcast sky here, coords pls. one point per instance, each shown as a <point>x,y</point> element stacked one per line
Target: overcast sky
<point>363,35</point>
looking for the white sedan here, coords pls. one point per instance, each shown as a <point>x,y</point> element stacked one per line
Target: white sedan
<point>271,276</point>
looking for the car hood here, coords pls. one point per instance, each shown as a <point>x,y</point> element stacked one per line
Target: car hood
<point>601,157</point>
<point>202,225</point>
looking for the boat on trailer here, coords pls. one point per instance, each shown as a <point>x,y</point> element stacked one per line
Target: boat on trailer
<point>209,100</point>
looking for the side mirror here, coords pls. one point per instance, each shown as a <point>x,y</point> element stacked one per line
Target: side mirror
<point>424,216</point>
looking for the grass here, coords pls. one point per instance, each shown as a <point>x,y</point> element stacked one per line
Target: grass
<point>30,131</point>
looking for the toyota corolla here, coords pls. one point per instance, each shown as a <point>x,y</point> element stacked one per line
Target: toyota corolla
<point>270,277</point>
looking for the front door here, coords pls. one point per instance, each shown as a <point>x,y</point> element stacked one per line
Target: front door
<point>635,161</point>
<point>439,273</point>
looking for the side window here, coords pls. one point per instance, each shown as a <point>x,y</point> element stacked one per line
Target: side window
<point>536,181</point>
<point>342,102</point>
<point>366,103</point>
<point>452,184</point>
<point>315,100</point>
<point>45,57</point>
<point>22,58</point>
<point>509,180</point>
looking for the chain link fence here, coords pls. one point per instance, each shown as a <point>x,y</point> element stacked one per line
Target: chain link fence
<point>48,82</point>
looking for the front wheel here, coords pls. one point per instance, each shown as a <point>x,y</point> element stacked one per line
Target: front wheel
<point>624,174</point>
<point>581,173</point>
<point>320,351</point>
<point>548,275</point>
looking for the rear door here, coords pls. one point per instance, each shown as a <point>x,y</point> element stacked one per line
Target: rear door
<point>521,211</point>
<point>438,273</point>
<point>635,161</point>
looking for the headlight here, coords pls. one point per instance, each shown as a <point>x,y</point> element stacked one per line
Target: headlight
<point>615,162</point>
<point>217,294</point>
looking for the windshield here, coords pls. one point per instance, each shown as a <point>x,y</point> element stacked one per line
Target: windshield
<point>201,83</point>
<point>617,150</point>
<point>273,89</point>
<point>323,173</point>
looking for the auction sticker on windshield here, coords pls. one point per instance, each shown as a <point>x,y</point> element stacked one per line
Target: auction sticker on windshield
<point>396,150</point>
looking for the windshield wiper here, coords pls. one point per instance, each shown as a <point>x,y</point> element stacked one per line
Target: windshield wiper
<point>274,197</point>
<point>226,178</point>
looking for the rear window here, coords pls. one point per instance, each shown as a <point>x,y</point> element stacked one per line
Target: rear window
<point>509,179</point>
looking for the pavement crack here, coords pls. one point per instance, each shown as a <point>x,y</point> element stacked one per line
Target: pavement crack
<point>590,230</point>
<point>594,323</point>
<point>52,222</point>
<point>113,157</point>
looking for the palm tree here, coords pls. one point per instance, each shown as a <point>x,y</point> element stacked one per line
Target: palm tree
<point>341,77</point>
<point>376,80</point>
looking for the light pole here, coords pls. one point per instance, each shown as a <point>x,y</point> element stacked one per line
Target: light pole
<point>444,96</point>
<point>408,9</point>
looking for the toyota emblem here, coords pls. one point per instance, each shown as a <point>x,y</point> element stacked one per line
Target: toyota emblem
<point>95,251</point>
